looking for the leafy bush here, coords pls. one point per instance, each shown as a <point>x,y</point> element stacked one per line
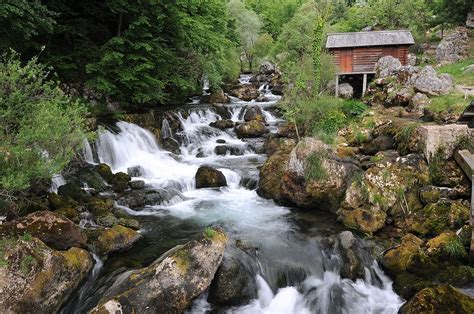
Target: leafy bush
<point>210,233</point>
<point>41,127</point>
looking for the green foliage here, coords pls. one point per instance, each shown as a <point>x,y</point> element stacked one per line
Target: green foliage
<point>26,237</point>
<point>35,116</point>
<point>436,166</point>
<point>314,168</point>
<point>376,158</point>
<point>21,21</point>
<point>353,108</point>
<point>454,248</point>
<point>210,233</point>
<point>274,14</point>
<point>26,263</point>
<point>451,12</point>
<point>452,103</point>
<point>403,137</point>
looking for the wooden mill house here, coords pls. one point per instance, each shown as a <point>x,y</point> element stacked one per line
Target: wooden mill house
<point>355,54</point>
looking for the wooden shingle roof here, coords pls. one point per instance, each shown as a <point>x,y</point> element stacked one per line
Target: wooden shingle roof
<point>367,39</point>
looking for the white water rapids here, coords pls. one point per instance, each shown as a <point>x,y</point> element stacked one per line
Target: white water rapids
<point>243,214</point>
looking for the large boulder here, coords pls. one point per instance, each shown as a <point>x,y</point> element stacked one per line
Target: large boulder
<point>428,82</point>
<point>274,144</point>
<point>36,278</point>
<point>386,187</point>
<point>208,177</point>
<point>346,91</point>
<point>245,92</point>
<point>270,184</point>
<point>387,66</point>
<point>267,68</point>
<point>250,129</point>
<point>171,283</point>
<point>217,97</point>
<point>443,139</point>
<point>453,47</point>
<point>315,177</point>
<point>355,256</point>
<point>55,230</point>
<point>120,181</point>
<point>234,282</point>
<point>439,299</point>
<point>254,113</point>
<point>396,259</point>
<point>222,124</point>
<point>380,143</point>
<point>115,239</point>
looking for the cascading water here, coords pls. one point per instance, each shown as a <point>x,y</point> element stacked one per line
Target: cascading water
<point>294,274</point>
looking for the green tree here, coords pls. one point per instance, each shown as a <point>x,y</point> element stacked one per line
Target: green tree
<point>21,21</point>
<point>41,127</point>
<point>323,10</point>
<point>248,28</point>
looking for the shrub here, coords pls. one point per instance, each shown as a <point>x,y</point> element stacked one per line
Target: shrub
<point>210,233</point>
<point>353,108</point>
<point>41,127</point>
<point>454,248</point>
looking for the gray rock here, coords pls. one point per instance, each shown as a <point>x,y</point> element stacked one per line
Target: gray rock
<point>428,82</point>
<point>453,47</point>
<point>135,171</point>
<point>253,113</point>
<point>418,103</point>
<point>346,91</point>
<point>267,68</point>
<point>137,184</point>
<point>222,124</point>
<point>355,256</point>
<point>208,177</point>
<point>387,66</point>
<point>171,283</point>
<point>380,143</point>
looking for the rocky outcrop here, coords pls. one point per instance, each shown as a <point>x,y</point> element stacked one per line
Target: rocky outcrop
<point>254,113</point>
<point>36,278</point>
<point>387,66</point>
<point>169,284</point>
<point>120,182</point>
<point>208,177</point>
<point>396,260</point>
<point>234,282</point>
<point>217,97</point>
<point>453,47</point>
<point>115,239</point>
<point>384,188</point>
<point>428,82</point>
<point>440,299</point>
<point>55,230</point>
<point>250,129</point>
<point>245,92</point>
<point>222,124</point>
<point>311,176</point>
<point>443,139</point>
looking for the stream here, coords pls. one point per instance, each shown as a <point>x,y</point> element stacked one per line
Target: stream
<point>294,274</point>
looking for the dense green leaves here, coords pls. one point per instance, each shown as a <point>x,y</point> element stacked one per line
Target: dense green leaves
<point>40,126</point>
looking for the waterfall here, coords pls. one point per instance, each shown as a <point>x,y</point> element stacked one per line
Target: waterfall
<point>87,152</point>
<point>56,181</point>
<point>166,131</point>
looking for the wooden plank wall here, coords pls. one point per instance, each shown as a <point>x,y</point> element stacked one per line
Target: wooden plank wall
<point>365,58</point>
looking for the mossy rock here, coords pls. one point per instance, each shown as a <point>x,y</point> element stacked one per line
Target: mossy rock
<point>363,219</point>
<point>407,284</point>
<point>117,238</point>
<point>37,278</point>
<point>70,213</point>
<point>57,202</point>
<point>440,299</point>
<point>456,275</point>
<point>438,217</point>
<point>271,173</point>
<point>120,182</point>
<point>208,177</point>
<point>105,172</point>
<point>396,260</point>
<point>55,230</point>
<point>129,223</point>
<point>250,129</point>
<point>72,190</point>
<point>99,206</point>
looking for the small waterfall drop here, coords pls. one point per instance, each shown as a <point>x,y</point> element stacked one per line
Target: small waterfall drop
<point>87,152</point>
<point>166,131</point>
<point>56,181</point>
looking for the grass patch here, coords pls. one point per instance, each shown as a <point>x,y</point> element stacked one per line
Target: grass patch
<point>210,233</point>
<point>452,103</point>
<point>456,70</point>
<point>454,248</point>
<point>376,158</point>
<point>436,166</point>
<point>314,169</point>
<point>26,263</point>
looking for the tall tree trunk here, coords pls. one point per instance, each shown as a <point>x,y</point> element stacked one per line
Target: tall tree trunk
<point>119,25</point>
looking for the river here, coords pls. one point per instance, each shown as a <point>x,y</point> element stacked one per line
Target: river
<point>293,272</point>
